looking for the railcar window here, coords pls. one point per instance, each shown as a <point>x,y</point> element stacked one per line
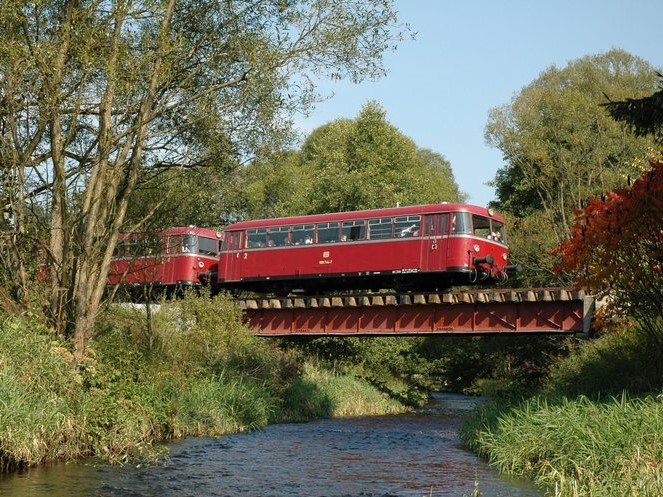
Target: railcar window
<point>153,244</point>
<point>328,232</point>
<point>129,247</point>
<point>436,224</point>
<point>189,243</point>
<point>208,246</point>
<point>132,247</point>
<point>406,226</point>
<point>256,238</point>
<point>498,232</point>
<point>231,241</point>
<point>120,249</point>
<point>481,226</point>
<point>278,236</point>
<point>379,228</point>
<point>461,223</point>
<point>174,243</point>
<point>353,230</point>
<point>303,234</point>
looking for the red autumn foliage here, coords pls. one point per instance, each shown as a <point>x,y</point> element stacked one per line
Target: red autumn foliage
<point>616,248</point>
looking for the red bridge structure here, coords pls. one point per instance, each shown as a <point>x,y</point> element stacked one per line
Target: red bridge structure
<point>468,312</point>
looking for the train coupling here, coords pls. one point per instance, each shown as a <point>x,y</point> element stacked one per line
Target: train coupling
<point>208,277</point>
<point>488,259</point>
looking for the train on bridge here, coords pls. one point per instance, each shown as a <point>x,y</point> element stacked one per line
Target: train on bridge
<point>414,248</point>
<point>317,274</point>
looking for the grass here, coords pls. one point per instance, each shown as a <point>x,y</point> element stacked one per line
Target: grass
<point>321,393</point>
<point>581,447</point>
<point>37,419</point>
<point>599,445</point>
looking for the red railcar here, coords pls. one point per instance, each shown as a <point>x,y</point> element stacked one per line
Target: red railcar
<point>169,260</point>
<point>424,247</point>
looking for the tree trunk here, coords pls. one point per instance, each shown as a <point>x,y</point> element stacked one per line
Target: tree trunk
<point>109,189</point>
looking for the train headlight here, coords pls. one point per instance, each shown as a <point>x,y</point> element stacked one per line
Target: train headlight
<point>201,264</point>
<point>476,248</point>
<point>505,256</point>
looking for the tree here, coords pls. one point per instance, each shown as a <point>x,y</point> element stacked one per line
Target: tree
<point>94,93</point>
<point>561,147</point>
<point>274,186</point>
<point>643,115</point>
<point>616,249</point>
<point>368,163</point>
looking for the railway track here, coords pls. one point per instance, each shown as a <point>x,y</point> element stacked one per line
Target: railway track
<point>473,296</point>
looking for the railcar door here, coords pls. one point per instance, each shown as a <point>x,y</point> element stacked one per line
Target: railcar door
<point>232,256</point>
<point>177,268</point>
<point>434,248</point>
<point>172,250</point>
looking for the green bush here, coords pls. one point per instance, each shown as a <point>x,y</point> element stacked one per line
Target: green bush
<point>608,365</point>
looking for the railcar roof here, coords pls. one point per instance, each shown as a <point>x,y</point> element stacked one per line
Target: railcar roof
<point>179,230</point>
<point>350,215</point>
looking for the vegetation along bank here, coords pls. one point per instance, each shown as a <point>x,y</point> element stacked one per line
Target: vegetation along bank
<point>192,369</point>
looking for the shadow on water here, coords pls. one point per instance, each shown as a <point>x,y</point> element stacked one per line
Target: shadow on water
<point>411,455</point>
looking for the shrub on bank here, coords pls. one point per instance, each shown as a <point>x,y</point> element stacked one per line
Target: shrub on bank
<point>320,393</point>
<point>393,365</point>
<point>609,365</point>
<point>36,416</point>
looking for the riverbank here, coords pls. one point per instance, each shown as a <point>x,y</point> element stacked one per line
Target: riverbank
<point>595,429</point>
<point>409,455</point>
<point>190,369</point>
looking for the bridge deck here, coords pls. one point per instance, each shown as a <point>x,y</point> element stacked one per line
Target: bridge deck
<point>544,310</point>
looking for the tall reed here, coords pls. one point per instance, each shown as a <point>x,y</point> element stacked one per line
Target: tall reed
<point>579,447</point>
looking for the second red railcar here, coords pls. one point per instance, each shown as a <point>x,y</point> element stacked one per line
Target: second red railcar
<point>165,261</point>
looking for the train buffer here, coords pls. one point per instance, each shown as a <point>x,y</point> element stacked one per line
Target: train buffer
<point>467,312</point>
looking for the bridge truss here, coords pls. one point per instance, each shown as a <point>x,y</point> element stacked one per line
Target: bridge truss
<point>469,312</point>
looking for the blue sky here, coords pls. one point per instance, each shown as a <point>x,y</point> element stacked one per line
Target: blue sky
<point>469,57</point>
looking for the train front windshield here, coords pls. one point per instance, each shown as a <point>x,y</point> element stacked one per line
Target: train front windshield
<point>461,222</point>
<point>479,226</point>
<point>498,232</point>
<point>207,246</point>
<point>194,244</point>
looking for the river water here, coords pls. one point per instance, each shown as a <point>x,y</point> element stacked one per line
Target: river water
<point>410,455</point>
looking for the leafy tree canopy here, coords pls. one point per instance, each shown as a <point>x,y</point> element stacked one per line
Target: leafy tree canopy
<point>644,115</point>
<point>561,148</point>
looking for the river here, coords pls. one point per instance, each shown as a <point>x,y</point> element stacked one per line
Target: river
<point>410,455</point>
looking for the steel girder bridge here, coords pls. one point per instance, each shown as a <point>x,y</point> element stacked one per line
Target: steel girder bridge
<point>468,312</point>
